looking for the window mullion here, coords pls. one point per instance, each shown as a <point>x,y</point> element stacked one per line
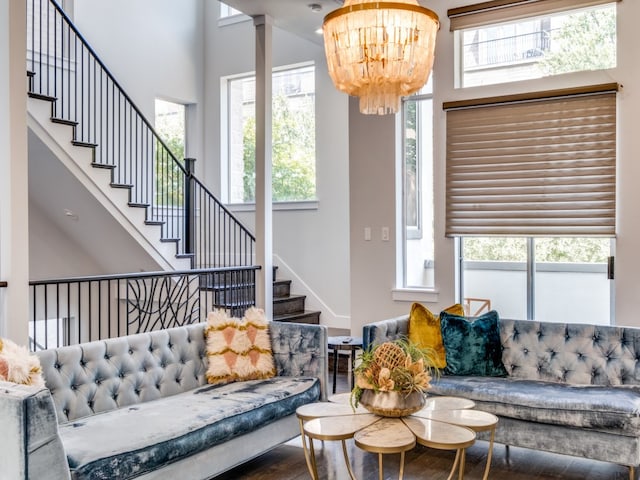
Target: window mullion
<point>531,278</point>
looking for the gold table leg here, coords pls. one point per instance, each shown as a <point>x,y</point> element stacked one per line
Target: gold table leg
<point>346,460</point>
<point>489,455</point>
<point>455,464</point>
<point>307,455</point>
<point>463,457</point>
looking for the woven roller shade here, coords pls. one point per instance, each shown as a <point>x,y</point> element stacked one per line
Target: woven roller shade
<point>538,168</point>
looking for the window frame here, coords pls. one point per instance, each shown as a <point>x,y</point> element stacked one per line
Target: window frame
<point>225,144</point>
<point>500,12</point>
<point>406,232</point>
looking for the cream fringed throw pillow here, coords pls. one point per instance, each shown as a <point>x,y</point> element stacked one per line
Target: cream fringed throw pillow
<point>238,349</point>
<point>17,365</point>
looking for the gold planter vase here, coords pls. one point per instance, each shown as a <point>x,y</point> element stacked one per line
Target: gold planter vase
<point>392,404</point>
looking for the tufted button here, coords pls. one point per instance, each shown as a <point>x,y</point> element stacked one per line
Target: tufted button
<point>66,412</point>
<point>121,374</point>
<point>178,380</point>
<point>56,366</point>
<point>83,363</point>
<point>130,351</point>
<point>90,404</point>
<point>114,396</point>
<point>73,387</point>
<point>170,345</point>
<point>151,348</point>
<point>98,381</point>
<point>163,365</point>
<point>525,351</point>
<point>137,391</point>
<point>107,356</point>
<point>158,386</point>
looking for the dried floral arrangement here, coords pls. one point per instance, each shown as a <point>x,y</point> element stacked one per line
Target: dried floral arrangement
<point>395,366</point>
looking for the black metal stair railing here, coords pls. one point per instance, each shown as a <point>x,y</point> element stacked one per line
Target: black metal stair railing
<point>77,310</point>
<point>64,69</point>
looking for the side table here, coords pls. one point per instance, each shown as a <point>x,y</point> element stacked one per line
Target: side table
<point>351,344</point>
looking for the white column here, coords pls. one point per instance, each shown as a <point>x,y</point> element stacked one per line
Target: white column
<point>264,221</point>
<point>14,185</point>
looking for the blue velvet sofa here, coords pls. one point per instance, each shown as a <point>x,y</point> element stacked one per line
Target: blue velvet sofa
<point>571,388</point>
<point>139,407</point>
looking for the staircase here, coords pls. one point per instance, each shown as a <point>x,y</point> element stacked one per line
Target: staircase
<point>229,292</point>
<point>88,121</point>
<point>288,307</point>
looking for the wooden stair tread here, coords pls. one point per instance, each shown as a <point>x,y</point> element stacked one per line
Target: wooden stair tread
<point>311,316</point>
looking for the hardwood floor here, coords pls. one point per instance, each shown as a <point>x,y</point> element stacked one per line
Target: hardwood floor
<point>287,462</point>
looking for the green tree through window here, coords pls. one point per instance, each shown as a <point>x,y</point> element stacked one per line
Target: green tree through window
<point>586,41</point>
<point>293,137</point>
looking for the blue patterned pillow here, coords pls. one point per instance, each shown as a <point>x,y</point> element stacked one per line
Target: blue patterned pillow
<point>473,345</point>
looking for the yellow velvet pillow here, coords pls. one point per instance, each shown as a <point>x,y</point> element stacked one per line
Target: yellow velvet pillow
<point>424,330</point>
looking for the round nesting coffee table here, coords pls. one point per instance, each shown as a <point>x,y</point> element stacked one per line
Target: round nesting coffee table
<point>440,424</point>
<point>476,420</point>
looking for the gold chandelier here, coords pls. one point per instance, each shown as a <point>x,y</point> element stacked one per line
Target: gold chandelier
<point>380,51</point>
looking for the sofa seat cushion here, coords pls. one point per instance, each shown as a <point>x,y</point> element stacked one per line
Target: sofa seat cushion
<point>127,442</point>
<point>609,409</point>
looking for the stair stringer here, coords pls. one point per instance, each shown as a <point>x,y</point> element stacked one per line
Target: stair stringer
<point>313,301</point>
<point>77,159</point>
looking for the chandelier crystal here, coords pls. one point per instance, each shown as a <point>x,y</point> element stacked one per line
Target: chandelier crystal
<point>380,51</point>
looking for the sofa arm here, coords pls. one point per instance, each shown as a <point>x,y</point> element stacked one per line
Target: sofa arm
<point>385,330</point>
<point>30,447</point>
<point>301,350</point>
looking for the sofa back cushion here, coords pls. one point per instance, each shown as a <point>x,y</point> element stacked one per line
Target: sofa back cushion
<point>108,374</point>
<point>578,354</point>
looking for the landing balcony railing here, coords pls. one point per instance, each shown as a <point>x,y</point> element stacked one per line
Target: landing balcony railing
<point>64,69</point>
<point>77,310</point>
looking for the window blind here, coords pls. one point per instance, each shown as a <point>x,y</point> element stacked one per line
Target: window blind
<point>497,11</point>
<point>544,167</point>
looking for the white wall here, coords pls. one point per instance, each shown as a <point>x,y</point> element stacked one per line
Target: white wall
<point>154,48</point>
<point>53,253</point>
<point>313,243</point>
<point>372,192</point>
<point>14,229</point>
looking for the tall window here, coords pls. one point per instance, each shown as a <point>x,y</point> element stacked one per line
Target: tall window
<point>551,279</point>
<point>418,265</point>
<point>228,11</point>
<point>531,192</point>
<point>293,132</point>
<point>575,40</point>
<point>170,126</point>
<point>530,182</point>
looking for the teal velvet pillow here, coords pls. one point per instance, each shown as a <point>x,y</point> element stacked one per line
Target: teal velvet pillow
<point>473,345</point>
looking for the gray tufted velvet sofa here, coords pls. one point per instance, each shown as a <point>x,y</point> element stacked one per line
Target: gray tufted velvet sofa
<point>139,407</point>
<point>571,388</point>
